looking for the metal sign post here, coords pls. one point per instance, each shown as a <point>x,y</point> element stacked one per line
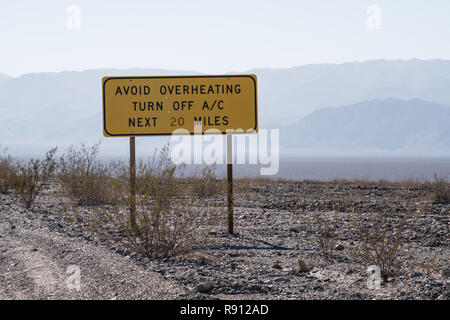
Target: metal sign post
<point>230,182</point>
<point>133,185</point>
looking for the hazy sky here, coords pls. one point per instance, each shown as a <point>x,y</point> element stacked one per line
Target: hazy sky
<point>216,36</point>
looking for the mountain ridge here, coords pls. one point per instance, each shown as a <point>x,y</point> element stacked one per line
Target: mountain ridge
<point>65,107</point>
<point>4,77</point>
<point>407,126</point>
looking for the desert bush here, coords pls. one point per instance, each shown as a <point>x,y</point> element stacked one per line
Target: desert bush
<point>242,188</point>
<point>432,263</point>
<point>206,184</point>
<point>8,173</point>
<point>163,224</point>
<point>440,190</point>
<point>33,176</point>
<point>324,234</point>
<point>84,178</point>
<point>381,239</point>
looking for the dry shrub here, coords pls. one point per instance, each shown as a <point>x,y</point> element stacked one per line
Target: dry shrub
<point>32,177</point>
<point>431,264</point>
<point>8,172</point>
<point>206,184</point>
<point>440,190</point>
<point>324,233</point>
<point>381,239</point>
<point>164,224</point>
<point>84,178</point>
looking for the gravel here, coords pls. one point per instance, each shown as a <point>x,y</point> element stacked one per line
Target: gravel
<point>40,247</point>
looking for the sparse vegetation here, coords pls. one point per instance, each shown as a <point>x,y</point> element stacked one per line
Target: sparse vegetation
<point>431,264</point>
<point>8,172</point>
<point>207,184</point>
<point>381,240</point>
<point>32,177</point>
<point>348,227</point>
<point>440,190</point>
<point>325,235</point>
<point>84,178</point>
<point>167,224</point>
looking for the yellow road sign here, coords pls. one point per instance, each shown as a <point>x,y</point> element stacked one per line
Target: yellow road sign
<point>141,106</point>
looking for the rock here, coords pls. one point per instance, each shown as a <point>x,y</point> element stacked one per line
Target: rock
<point>260,289</point>
<point>444,296</point>
<point>234,254</point>
<point>357,295</point>
<point>339,247</point>
<point>318,288</point>
<point>205,287</point>
<point>416,275</point>
<point>302,265</point>
<point>255,287</point>
<point>160,270</point>
<point>433,242</point>
<point>277,266</point>
<point>281,279</point>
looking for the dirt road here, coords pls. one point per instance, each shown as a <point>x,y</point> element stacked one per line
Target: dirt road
<point>37,263</point>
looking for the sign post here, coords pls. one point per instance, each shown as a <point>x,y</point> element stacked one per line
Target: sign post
<point>133,185</point>
<point>230,182</point>
<point>168,105</point>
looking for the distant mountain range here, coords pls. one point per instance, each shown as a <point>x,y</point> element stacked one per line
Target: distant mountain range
<point>287,95</point>
<point>340,107</point>
<point>4,77</point>
<point>388,125</point>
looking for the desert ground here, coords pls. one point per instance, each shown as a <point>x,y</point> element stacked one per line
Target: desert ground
<point>275,252</point>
